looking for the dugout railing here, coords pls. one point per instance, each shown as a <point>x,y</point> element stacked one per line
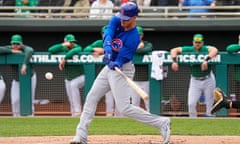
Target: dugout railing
<point>222,62</point>
<point>150,12</point>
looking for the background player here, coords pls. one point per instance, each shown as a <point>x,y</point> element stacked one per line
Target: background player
<point>121,40</point>
<point>17,46</point>
<point>141,74</point>
<point>202,80</point>
<point>234,48</point>
<point>74,74</point>
<point>96,48</point>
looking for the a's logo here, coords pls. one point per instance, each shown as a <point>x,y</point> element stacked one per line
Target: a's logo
<point>117,45</point>
<point>197,39</point>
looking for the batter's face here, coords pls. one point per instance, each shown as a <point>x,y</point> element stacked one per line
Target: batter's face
<point>128,24</point>
<point>197,45</point>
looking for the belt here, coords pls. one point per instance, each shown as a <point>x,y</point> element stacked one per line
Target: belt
<point>202,78</point>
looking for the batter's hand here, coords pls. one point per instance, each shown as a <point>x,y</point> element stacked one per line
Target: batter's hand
<point>61,64</point>
<point>175,66</point>
<point>107,58</point>
<point>112,65</point>
<point>204,66</point>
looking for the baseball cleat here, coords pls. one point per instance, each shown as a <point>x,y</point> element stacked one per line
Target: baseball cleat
<point>220,99</point>
<point>165,131</point>
<point>76,140</point>
<point>75,143</point>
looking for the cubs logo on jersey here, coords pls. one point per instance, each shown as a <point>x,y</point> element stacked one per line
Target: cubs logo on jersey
<point>116,45</point>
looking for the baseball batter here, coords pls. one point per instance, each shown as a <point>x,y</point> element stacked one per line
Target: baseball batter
<point>74,74</point>
<point>17,46</point>
<point>202,80</point>
<point>121,40</point>
<point>96,48</point>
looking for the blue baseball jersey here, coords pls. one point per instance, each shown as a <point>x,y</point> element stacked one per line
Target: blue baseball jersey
<point>123,43</point>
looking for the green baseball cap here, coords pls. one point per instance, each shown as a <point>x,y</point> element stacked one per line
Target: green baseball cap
<point>198,38</point>
<point>70,38</point>
<point>16,39</point>
<point>140,30</point>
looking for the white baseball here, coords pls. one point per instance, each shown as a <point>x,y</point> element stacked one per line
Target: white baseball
<point>49,76</point>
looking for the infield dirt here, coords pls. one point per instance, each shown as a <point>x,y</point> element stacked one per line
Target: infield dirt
<point>124,139</point>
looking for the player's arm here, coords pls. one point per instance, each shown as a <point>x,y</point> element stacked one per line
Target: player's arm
<point>56,48</point>
<point>28,51</point>
<point>96,48</point>
<point>233,48</point>
<point>5,50</point>
<point>98,51</point>
<point>76,50</point>
<point>109,34</point>
<point>145,49</point>
<point>212,52</point>
<point>174,53</point>
<point>89,48</point>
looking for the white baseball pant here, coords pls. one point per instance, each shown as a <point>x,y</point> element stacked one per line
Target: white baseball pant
<point>136,100</point>
<point>198,88</point>
<point>108,80</point>
<point>15,95</point>
<point>73,93</point>
<point>2,89</point>
<point>111,108</point>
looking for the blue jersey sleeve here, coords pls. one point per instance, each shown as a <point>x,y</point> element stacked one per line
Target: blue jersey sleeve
<point>113,27</point>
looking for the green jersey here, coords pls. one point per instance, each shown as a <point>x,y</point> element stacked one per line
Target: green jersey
<point>96,44</point>
<point>26,50</point>
<point>70,71</point>
<point>231,49</point>
<point>90,47</point>
<point>195,69</point>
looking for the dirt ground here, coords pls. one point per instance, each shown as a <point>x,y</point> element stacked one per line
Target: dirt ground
<point>117,139</point>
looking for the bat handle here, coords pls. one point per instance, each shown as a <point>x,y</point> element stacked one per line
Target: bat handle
<point>117,69</point>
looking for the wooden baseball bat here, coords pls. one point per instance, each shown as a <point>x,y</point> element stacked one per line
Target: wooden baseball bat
<point>133,85</point>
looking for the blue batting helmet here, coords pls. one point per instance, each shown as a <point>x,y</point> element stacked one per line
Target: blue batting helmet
<point>128,10</point>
